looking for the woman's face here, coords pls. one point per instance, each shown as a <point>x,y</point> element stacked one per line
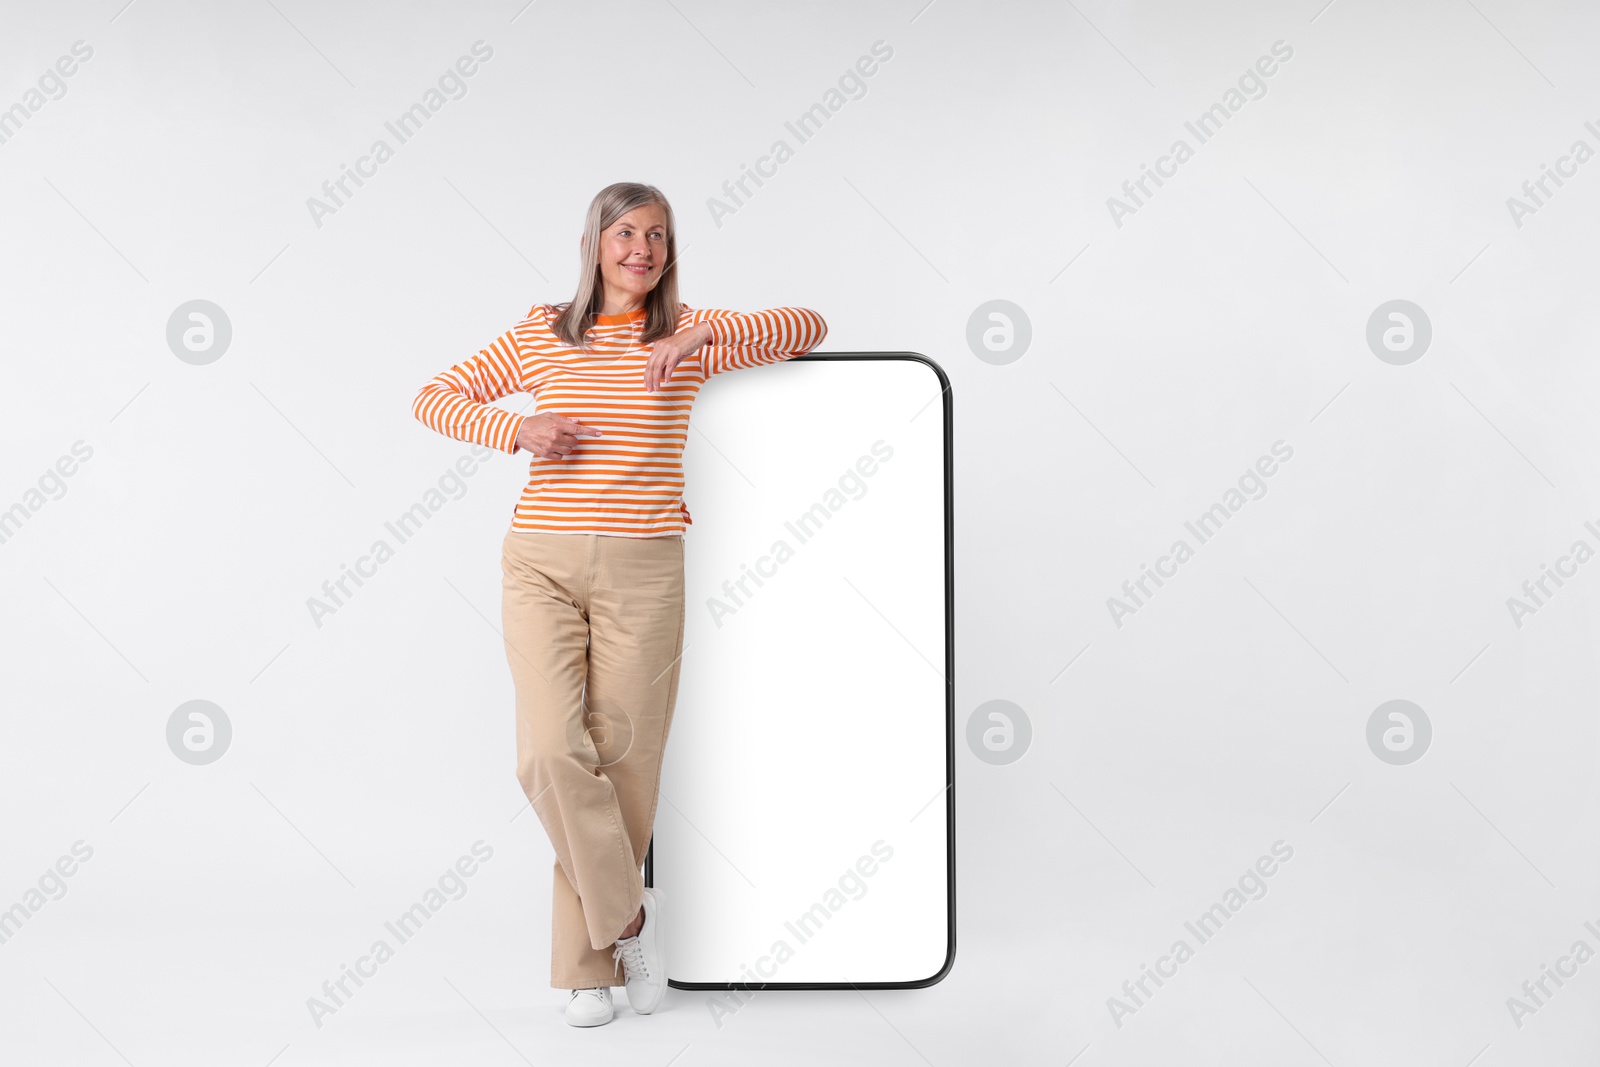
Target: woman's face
<point>633,252</point>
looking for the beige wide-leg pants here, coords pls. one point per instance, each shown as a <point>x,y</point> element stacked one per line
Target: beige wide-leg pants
<point>594,634</point>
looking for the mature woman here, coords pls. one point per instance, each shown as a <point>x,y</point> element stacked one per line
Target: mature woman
<point>593,604</point>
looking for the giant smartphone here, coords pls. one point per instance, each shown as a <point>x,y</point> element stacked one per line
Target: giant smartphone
<point>804,833</point>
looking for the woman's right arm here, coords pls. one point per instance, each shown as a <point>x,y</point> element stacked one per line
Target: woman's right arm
<point>456,401</point>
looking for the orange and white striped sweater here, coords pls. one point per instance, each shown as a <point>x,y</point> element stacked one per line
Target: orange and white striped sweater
<point>629,481</point>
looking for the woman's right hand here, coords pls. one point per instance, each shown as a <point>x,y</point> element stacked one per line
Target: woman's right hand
<point>551,436</point>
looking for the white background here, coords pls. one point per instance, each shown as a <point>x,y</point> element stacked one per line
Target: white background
<point>1167,354</point>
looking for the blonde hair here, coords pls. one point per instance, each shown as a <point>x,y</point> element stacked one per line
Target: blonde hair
<point>575,318</point>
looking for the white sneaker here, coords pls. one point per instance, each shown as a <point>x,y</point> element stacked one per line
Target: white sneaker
<point>589,1007</point>
<point>644,956</point>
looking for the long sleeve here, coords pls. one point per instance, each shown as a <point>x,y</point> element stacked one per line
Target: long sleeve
<point>456,402</point>
<point>761,337</point>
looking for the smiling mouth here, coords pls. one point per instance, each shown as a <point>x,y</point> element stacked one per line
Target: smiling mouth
<point>635,268</point>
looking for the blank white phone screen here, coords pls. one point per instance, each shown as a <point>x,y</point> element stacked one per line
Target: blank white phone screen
<point>802,834</point>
